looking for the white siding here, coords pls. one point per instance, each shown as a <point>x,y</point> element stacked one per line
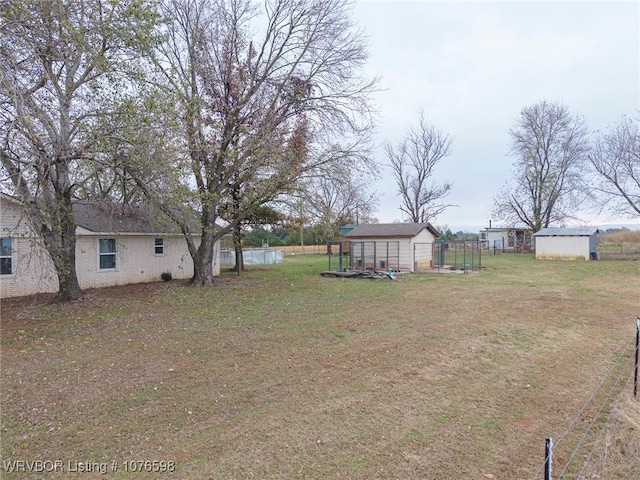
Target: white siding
<point>405,254</point>
<point>410,250</point>
<point>422,250</point>
<point>563,247</point>
<point>498,239</point>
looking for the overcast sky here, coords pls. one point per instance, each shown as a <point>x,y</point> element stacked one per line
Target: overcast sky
<point>473,66</point>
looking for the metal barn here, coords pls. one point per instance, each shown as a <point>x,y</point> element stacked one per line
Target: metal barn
<point>578,243</point>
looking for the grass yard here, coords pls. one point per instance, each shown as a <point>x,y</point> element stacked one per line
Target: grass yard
<point>284,374</point>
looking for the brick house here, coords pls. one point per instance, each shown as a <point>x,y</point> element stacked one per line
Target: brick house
<point>115,245</point>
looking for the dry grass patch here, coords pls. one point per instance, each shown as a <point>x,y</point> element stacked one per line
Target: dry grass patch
<point>632,236</point>
<point>622,458</point>
<point>281,373</point>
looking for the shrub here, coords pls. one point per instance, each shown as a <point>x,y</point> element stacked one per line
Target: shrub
<point>166,276</point>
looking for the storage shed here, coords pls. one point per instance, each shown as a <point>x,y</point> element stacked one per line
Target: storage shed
<point>398,246</point>
<point>578,243</point>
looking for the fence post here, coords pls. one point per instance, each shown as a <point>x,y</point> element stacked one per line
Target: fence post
<point>548,461</point>
<point>635,371</point>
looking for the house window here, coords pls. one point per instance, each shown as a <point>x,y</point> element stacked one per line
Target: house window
<point>6,256</point>
<point>159,246</point>
<point>107,253</point>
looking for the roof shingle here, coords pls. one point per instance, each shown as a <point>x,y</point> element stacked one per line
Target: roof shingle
<point>121,218</point>
<point>390,230</point>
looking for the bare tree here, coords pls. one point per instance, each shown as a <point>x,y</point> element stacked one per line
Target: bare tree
<point>63,64</point>
<point>250,83</point>
<point>615,158</point>
<point>413,161</point>
<point>338,196</point>
<point>550,146</point>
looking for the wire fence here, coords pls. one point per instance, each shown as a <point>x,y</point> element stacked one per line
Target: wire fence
<point>584,442</point>
<point>463,256</point>
<point>619,250</point>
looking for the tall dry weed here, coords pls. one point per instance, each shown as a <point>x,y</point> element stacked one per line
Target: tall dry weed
<point>630,236</point>
<point>623,449</point>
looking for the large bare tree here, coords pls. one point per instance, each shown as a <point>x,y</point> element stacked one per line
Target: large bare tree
<point>615,158</point>
<point>413,161</point>
<point>338,196</point>
<point>550,146</point>
<point>267,93</point>
<point>64,64</point>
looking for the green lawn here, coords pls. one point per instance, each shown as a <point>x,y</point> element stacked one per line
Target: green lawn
<point>282,373</point>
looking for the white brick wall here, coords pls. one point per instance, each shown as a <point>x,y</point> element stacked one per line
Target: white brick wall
<point>13,222</point>
<point>136,261</point>
<point>33,270</point>
<point>31,265</point>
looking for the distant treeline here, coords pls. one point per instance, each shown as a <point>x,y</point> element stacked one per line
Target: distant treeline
<point>281,237</point>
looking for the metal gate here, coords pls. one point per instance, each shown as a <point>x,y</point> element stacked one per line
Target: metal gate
<point>465,256</point>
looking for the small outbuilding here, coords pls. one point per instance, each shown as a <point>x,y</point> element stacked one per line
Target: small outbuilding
<point>506,239</point>
<point>577,243</point>
<point>397,246</point>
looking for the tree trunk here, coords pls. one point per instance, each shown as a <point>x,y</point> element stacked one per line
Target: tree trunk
<point>237,246</point>
<point>68,287</point>
<point>203,261</point>
<point>239,266</point>
<point>60,242</point>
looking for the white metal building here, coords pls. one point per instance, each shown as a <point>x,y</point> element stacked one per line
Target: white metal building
<point>578,243</point>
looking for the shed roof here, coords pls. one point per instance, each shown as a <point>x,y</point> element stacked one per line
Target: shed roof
<point>391,230</point>
<point>566,232</point>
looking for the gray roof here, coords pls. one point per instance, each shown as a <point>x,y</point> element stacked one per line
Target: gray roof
<point>119,218</point>
<point>566,232</point>
<point>106,217</point>
<point>390,230</point>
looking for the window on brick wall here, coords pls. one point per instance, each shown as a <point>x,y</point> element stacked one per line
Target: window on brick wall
<point>107,253</point>
<point>159,246</point>
<point>6,256</point>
